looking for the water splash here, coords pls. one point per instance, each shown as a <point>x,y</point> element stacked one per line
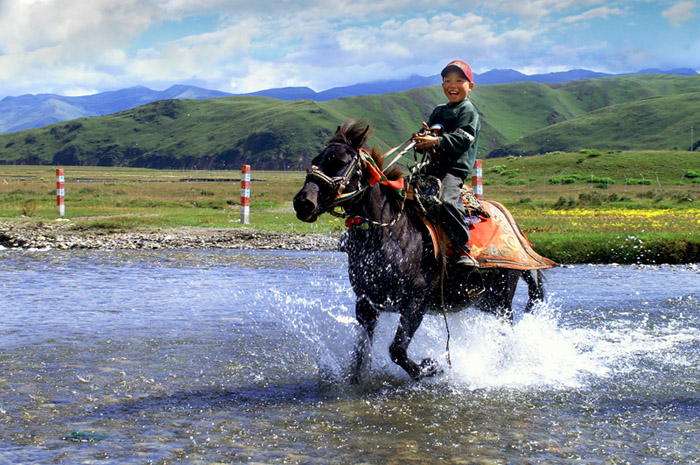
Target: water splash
<point>485,351</point>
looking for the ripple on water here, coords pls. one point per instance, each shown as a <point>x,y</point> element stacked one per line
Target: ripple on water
<point>241,357</point>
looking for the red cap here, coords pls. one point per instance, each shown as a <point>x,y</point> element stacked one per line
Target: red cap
<point>460,66</point>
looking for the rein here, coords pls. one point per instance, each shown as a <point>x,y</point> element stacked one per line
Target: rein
<point>361,161</point>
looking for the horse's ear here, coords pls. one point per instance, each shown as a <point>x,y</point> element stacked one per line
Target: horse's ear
<point>358,141</point>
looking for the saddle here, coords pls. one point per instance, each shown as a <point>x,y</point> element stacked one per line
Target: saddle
<point>496,240</point>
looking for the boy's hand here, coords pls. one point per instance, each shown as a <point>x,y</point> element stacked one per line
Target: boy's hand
<point>424,142</point>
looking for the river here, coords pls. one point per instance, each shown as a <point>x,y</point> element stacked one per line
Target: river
<point>224,356</point>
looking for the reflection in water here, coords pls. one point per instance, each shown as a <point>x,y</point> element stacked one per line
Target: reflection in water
<point>240,357</point>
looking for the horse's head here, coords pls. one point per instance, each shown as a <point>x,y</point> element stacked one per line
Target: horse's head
<point>336,169</point>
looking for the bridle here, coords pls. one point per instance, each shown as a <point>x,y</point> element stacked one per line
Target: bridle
<point>338,184</point>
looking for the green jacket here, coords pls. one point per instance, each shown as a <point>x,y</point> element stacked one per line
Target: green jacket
<point>459,140</point>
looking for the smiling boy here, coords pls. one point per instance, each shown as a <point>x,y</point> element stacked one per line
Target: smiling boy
<point>456,150</point>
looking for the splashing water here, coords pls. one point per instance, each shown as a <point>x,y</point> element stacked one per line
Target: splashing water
<point>543,349</point>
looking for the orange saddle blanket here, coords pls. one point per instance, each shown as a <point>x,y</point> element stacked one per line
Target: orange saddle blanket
<point>496,242</point>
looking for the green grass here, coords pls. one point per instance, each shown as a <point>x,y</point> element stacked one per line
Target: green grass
<point>571,223</point>
<point>127,198</point>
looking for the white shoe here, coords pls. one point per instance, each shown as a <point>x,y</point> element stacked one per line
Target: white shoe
<point>467,260</point>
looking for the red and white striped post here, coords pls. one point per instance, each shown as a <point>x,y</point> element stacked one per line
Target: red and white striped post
<point>477,180</point>
<point>60,192</point>
<point>245,194</point>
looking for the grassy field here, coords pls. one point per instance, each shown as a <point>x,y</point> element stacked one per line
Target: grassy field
<point>589,206</point>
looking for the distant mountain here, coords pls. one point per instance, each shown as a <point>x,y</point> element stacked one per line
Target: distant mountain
<point>495,76</point>
<point>356,90</point>
<point>33,111</point>
<point>677,71</point>
<point>505,76</point>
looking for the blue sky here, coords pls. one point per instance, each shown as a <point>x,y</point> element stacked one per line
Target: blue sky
<point>77,48</point>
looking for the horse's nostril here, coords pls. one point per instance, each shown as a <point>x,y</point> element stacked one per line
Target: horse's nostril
<point>304,208</point>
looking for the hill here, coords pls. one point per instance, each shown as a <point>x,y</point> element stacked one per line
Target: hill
<point>34,111</point>
<point>635,111</point>
<point>650,123</point>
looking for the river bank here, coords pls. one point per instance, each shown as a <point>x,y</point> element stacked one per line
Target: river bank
<point>592,248</point>
<point>61,235</point>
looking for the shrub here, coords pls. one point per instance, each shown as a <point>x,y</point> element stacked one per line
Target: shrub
<point>203,192</point>
<point>682,198</point>
<point>564,179</point>
<point>599,180</point>
<point>692,174</point>
<point>590,198</point>
<point>590,152</point>
<point>496,169</point>
<point>566,203</point>
<point>91,191</point>
<point>28,207</point>
<point>637,182</point>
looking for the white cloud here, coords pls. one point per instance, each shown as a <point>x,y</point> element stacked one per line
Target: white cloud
<point>241,46</point>
<point>536,10</point>
<point>680,13</point>
<point>603,12</point>
<point>78,27</point>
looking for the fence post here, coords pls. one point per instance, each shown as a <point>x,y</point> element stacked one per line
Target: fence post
<point>477,180</point>
<point>60,192</point>
<point>245,194</point>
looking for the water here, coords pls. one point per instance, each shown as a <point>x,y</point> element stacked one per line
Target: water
<point>239,357</point>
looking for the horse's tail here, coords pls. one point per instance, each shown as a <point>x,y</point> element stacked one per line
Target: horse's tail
<point>535,288</point>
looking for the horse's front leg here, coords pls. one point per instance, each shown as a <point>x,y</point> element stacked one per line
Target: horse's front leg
<point>367,317</point>
<point>408,325</point>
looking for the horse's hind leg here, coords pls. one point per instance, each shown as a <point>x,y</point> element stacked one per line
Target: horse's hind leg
<point>366,316</point>
<point>535,289</point>
<point>501,287</point>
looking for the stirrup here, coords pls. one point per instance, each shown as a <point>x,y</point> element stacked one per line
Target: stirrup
<point>467,260</point>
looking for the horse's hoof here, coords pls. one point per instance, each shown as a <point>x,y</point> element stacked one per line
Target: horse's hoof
<point>429,367</point>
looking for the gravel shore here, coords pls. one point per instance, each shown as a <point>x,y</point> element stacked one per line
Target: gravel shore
<point>59,235</point>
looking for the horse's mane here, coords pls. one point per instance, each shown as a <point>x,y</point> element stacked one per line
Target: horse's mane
<point>352,130</point>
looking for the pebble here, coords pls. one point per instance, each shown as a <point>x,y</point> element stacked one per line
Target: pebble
<point>26,235</point>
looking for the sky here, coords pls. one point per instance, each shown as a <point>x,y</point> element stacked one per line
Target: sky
<point>71,47</point>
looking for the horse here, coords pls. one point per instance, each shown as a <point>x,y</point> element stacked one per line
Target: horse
<point>391,261</point>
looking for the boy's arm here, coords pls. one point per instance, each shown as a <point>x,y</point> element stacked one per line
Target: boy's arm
<point>454,144</point>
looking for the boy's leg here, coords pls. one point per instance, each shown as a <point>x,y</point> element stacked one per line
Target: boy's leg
<point>453,213</point>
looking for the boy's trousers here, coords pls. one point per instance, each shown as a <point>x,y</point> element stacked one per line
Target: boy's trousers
<point>452,212</point>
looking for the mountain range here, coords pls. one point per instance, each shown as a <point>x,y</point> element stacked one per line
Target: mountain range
<point>34,111</point>
<point>629,112</point>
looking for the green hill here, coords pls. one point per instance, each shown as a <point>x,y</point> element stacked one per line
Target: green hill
<point>648,124</point>
<point>635,111</point>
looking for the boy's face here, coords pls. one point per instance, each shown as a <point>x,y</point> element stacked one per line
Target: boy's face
<point>456,86</point>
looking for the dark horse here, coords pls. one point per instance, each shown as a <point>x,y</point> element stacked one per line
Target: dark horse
<point>392,263</point>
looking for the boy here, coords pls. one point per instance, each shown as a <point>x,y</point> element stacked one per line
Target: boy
<point>456,152</point>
